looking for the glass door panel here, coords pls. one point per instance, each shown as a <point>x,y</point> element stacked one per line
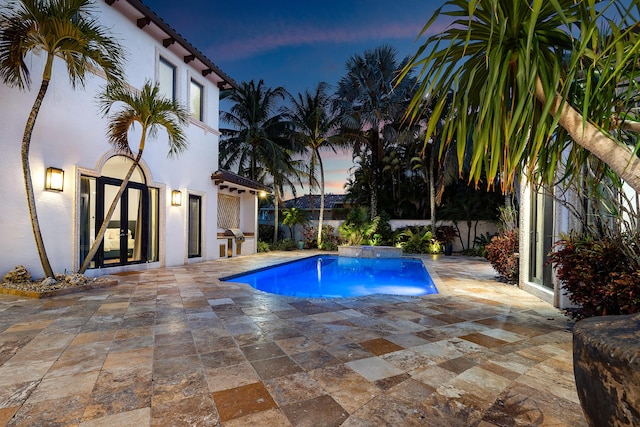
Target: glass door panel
<point>111,243</point>
<point>134,214</point>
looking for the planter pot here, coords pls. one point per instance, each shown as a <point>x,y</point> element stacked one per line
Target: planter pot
<point>448,249</point>
<point>606,365</point>
<point>300,245</point>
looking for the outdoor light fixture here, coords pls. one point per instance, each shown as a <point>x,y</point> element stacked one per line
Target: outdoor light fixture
<point>263,194</point>
<point>54,179</point>
<point>176,198</point>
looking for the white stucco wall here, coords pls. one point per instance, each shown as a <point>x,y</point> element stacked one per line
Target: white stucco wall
<point>70,134</point>
<point>563,222</point>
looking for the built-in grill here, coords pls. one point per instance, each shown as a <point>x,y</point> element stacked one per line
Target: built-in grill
<point>236,233</point>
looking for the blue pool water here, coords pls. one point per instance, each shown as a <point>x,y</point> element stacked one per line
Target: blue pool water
<point>340,277</point>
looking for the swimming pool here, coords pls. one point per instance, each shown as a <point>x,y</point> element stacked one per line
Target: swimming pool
<point>330,276</point>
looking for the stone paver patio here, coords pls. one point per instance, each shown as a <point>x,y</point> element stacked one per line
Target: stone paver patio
<point>176,346</point>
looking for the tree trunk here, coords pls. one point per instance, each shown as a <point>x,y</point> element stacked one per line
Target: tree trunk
<point>28,184</point>
<point>619,158</point>
<point>375,175</point>
<point>432,191</point>
<point>321,213</point>
<point>276,202</point>
<point>107,217</point>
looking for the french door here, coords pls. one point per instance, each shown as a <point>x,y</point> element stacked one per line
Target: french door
<point>127,236</point>
<point>541,232</point>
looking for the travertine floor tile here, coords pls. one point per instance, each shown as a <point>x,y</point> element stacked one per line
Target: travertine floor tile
<point>177,347</point>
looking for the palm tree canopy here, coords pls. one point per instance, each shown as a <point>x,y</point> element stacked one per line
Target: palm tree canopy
<point>59,28</point>
<point>149,109</point>
<point>256,128</point>
<point>496,53</point>
<point>127,107</point>
<point>371,105</point>
<point>368,95</point>
<point>314,125</point>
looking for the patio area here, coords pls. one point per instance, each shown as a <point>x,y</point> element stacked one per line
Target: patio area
<point>177,347</point>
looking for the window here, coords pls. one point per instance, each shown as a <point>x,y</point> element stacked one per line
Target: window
<point>195,100</point>
<point>195,226</point>
<point>167,78</point>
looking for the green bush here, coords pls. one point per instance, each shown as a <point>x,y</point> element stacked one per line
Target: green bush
<point>359,230</point>
<point>265,232</point>
<point>330,241</point>
<point>417,240</point>
<point>263,246</point>
<point>285,245</point>
<point>328,245</point>
<point>601,275</point>
<point>502,254</point>
<point>480,245</point>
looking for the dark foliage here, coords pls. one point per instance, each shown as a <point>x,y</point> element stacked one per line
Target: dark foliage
<point>502,253</point>
<point>602,275</point>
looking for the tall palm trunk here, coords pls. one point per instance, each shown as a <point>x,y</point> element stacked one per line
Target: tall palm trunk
<point>321,213</point>
<point>107,217</point>
<point>432,191</point>
<point>375,175</point>
<point>621,160</point>
<point>276,203</point>
<point>28,184</point>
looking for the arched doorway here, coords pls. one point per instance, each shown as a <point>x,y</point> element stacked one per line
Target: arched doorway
<point>132,231</point>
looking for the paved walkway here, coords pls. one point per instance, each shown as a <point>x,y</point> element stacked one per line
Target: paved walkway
<point>175,346</point>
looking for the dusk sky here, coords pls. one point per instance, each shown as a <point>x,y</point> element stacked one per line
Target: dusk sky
<point>296,44</point>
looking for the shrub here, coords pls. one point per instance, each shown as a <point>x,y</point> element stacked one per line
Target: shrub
<point>265,232</point>
<point>480,245</point>
<point>502,254</point>
<point>417,240</point>
<point>446,234</point>
<point>285,245</point>
<point>328,245</point>
<point>601,275</point>
<point>359,230</point>
<point>330,241</point>
<point>263,246</point>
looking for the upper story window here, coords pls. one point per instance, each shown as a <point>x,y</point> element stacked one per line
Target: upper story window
<point>167,78</point>
<point>195,100</point>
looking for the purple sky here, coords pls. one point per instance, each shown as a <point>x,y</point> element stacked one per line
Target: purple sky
<point>296,44</point>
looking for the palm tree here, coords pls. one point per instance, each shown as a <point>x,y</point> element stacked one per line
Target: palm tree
<point>285,173</point>
<point>369,100</point>
<point>153,112</point>
<point>314,125</point>
<point>57,28</point>
<point>294,216</point>
<point>512,66</point>
<point>258,143</point>
<point>255,127</point>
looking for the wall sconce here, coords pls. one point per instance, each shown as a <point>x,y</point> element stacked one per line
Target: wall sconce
<point>176,198</point>
<point>262,194</point>
<point>54,179</point>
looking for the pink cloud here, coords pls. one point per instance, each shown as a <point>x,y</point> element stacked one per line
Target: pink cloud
<point>277,36</point>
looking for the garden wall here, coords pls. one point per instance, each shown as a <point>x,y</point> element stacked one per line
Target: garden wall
<point>482,228</point>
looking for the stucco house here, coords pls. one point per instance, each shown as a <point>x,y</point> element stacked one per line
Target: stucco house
<point>543,220</point>
<point>174,211</point>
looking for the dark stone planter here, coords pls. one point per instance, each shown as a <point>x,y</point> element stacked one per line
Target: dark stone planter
<point>448,249</point>
<point>606,364</point>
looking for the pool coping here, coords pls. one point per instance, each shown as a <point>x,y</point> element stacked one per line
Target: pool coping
<point>438,283</point>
